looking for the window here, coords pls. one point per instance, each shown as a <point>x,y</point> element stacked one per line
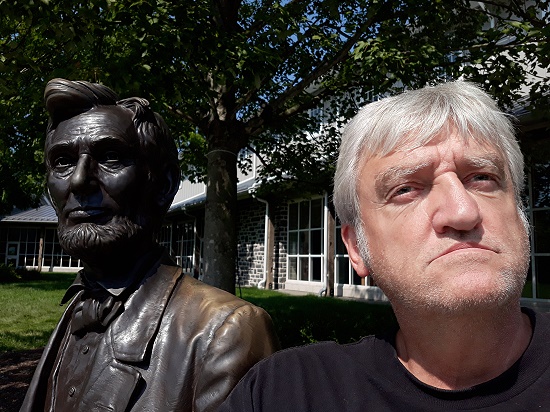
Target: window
<point>539,216</point>
<point>22,247</point>
<point>185,245</point>
<point>318,116</point>
<point>306,240</point>
<point>54,255</point>
<point>344,274</point>
<point>164,237</point>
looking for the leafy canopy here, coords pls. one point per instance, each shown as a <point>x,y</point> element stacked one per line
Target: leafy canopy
<point>230,74</point>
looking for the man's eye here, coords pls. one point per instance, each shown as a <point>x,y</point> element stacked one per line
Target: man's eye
<point>404,194</point>
<point>483,182</point>
<point>403,191</point>
<point>481,177</point>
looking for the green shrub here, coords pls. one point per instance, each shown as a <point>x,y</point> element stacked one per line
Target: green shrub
<point>27,274</point>
<point>8,273</point>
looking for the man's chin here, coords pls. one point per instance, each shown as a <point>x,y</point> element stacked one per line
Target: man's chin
<point>89,241</point>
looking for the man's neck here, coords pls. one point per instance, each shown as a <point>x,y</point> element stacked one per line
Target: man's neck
<point>460,351</point>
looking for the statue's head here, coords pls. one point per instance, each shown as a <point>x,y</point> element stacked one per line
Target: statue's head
<point>112,169</point>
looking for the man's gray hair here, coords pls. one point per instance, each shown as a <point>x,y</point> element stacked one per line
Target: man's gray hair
<point>412,119</point>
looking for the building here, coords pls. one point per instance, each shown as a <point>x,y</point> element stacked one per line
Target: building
<point>28,239</point>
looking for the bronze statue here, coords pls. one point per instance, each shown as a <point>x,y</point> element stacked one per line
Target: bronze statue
<point>138,334</point>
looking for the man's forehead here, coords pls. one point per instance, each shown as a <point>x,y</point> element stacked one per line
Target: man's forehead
<point>114,122</point>
<point>460,155</point>
<point>409,150</point>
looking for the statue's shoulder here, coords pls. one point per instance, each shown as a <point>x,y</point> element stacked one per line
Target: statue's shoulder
<point>191,297</point>
<point>197,289</point>
<point>201,309</point>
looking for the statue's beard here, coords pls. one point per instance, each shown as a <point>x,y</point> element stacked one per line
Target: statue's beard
<point>91,241</point>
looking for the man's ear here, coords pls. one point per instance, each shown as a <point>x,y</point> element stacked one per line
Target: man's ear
<point>168,185</point>
<point>350,240</point>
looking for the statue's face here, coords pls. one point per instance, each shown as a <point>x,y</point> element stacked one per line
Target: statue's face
<point>98,181</point>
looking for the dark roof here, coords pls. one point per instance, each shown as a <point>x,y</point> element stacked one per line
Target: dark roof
<point>42,214</point>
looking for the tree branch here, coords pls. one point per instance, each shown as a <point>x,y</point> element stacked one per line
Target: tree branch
<point>325,66</point>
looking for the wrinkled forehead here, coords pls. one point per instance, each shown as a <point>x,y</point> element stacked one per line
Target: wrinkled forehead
<point>108,121</point>
<point>410,141</point>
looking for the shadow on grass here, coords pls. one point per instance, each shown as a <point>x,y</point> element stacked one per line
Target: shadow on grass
<point>46,282</point>
<point>301,320</point>
<point>14,341</point>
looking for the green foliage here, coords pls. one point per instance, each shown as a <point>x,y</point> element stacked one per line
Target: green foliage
<point>234,74</point>
<point>8,273</point>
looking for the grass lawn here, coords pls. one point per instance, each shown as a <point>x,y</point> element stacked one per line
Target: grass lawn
<point>29,310</point>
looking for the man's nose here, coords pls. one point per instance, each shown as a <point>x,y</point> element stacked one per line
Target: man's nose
<point>83,178</point>
<point>453,206</point>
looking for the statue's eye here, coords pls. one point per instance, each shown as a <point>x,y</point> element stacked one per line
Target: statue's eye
<point>111,156</point>
<point>62,162</point>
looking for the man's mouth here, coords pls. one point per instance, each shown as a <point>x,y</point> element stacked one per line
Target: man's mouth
<point>89,214</point>
<point>464,246</point>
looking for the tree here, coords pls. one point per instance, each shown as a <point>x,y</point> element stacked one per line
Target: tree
<point>234,74</point>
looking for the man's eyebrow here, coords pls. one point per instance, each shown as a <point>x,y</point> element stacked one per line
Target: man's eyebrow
<point>490,160</point>
<point>384,180</point>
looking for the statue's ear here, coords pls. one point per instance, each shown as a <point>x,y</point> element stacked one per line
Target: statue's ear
<point>167,185</point>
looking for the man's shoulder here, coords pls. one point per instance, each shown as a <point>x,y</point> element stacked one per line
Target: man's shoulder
<point>336,373</point>
<point>539,317</point>
<point>327,355</point>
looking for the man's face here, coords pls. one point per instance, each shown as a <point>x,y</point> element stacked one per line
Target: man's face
<point>96,180</point>
<point>442,226</point>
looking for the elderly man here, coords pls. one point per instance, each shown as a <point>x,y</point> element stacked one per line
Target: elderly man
<point>138,335</point>
<point>427,188</point>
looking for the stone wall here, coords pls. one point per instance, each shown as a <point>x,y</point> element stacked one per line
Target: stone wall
<point>251,253</point>
<point>280,217</point>
<point>250,235</point>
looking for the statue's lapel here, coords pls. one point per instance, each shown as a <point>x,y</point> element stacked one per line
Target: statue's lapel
<point>135,328</point>
<point>113,388</point>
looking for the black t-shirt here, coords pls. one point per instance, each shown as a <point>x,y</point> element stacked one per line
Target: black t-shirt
<point>367,376</point>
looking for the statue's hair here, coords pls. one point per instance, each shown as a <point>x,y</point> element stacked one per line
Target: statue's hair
<point>412,119</point>
<point>65,99</point>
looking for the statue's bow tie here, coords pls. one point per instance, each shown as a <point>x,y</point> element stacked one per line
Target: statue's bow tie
<point>95,313</point>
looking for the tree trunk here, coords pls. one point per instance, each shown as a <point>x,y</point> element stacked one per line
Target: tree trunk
<point>220,232</point>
